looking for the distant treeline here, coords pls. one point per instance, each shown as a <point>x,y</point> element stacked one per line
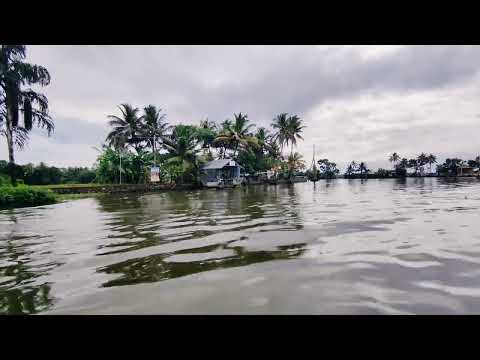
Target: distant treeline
<point>43,174</point>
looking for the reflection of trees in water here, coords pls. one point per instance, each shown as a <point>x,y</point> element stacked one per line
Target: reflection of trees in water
<point>154,268</point>
<point>199,207</point>
<point>29,300</point>
<point>18,294</point>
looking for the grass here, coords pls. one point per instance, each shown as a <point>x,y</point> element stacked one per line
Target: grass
<point>24,195</point>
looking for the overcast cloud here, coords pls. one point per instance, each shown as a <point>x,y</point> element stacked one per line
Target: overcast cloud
<point>358,102</point>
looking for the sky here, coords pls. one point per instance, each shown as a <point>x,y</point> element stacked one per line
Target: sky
<point>357,102</point>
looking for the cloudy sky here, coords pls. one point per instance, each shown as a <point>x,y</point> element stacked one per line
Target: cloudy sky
<point>358,102</point>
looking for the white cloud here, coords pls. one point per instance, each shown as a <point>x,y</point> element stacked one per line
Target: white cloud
<point>358,102</point>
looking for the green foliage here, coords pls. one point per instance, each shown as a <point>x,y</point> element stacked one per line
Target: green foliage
<point>357,169</point>
<point>78,175</point>
<point>327,169</point>
<point>42,174</point>
<point>449,167</point>
<point>23,195</point>
<point>134,166</point>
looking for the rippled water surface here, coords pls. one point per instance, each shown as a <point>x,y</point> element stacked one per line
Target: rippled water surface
<point>341,247</point>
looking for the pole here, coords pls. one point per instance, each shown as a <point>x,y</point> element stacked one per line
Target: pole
<point>120,169</point>
<point>154,154</point>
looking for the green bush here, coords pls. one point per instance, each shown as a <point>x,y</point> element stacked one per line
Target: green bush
<point>23,195</point>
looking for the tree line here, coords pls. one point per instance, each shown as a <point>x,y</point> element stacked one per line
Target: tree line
<point>43,174</point>
<point>140,138</point>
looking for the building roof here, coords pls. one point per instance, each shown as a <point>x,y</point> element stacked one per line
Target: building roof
<point>219,164</point>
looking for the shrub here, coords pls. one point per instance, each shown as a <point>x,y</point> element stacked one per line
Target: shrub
<point>24,195</point>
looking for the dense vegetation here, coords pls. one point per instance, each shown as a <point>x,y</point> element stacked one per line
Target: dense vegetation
<point>48,175</point>
<point>142,138</point>
<point>23,195</point>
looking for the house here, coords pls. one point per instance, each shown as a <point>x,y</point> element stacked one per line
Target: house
<point>221,173</point>
<point>465,170</point>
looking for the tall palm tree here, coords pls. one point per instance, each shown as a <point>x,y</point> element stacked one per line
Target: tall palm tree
<point>182,147</point>
<point>295,129</point>
<point>14,75</point>
<point>237,134</point>
<point>154,126</point>
<point>394,159</point>
<point>127,129</point>
<point>288,130</point>
<point>362,167</point>
<point>280,125</point>
<point>422,159</point>
<point>431,159</point>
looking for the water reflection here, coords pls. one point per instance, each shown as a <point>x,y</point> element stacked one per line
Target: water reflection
<point>201,217</point>
<point>348,246</point>
<point>20,293</point>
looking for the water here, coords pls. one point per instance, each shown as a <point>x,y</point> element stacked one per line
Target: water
<point>344,247</point>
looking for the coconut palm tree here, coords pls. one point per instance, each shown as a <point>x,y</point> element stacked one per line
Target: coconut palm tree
<point>295,129</point>
<point>352,168</point>
<point>182,147</point>
<point>431,159</point>
<point>280,125</point>
<point>154,126</point>
<point>362,167</point>
<point>288,130</point>
<point>237,134</point>
<point>206,134</point>
<point>295,162</point>
<point>127,129</point>
<point>394,159</point>
<point>15,74</point>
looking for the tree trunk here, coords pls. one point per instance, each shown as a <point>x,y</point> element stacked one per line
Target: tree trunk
<point>11,159</point>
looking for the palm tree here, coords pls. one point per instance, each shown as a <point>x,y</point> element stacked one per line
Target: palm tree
<point>154,126</point>
<point>237,134</point>
<point>394,159</point>
<point>206,134</point>
<point>431,159</point>
<point>280,124</point>
<point>288,130</point>
<point>362,167</point>
<point>352,168</point>
<point>404,163</point>
<point>14,74</point>
<point>182,148</point>
<point>295,128</point>
<point>127,129</point>
<point>295,162</point>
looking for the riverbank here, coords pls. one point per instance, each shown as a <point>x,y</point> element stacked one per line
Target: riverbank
<point>67,189</point>
<point>74,191</point>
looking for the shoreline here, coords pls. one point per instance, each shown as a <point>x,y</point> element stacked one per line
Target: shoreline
<point>145,188</point>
